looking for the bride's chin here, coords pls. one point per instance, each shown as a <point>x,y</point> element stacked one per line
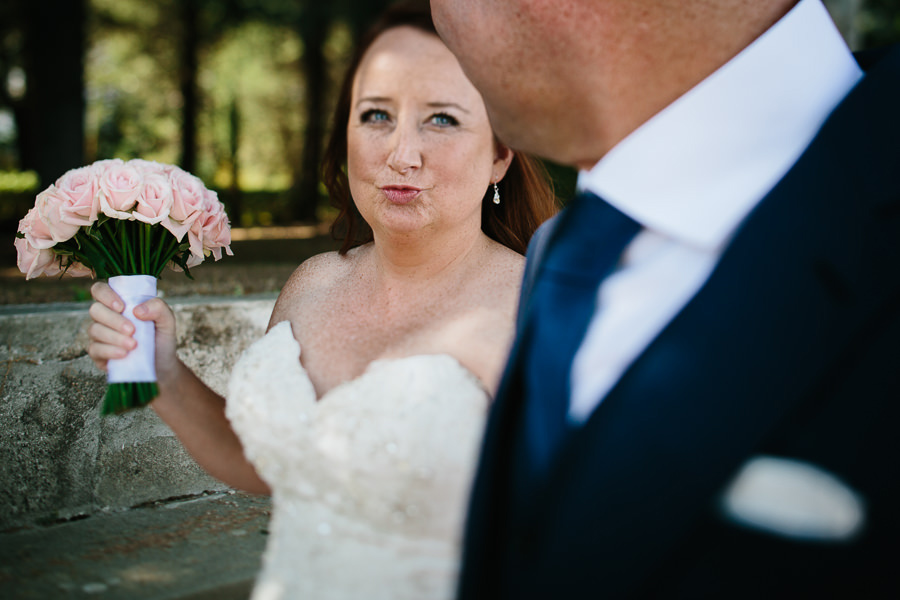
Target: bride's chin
<point>404,221</point>
<point>402,234</point>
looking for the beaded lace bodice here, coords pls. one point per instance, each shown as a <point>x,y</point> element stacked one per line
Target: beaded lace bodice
<point>370,483</point>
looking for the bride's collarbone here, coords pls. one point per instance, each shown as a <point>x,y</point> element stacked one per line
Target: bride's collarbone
<point>402,317</point>
<point>332,369</point>
<point>344,355</point>
<point>357,348</point>
<point>342,333</point>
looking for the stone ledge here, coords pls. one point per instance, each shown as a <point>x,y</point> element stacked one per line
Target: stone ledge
<point>7,310</point>
<point>58,457</point>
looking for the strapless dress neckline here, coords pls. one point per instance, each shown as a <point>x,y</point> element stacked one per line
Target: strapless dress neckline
<point>370,481</point>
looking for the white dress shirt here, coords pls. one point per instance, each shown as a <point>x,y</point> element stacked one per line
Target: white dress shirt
<point>692,173</point>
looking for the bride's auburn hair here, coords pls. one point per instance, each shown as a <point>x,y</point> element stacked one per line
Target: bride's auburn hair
<point>528,196</point>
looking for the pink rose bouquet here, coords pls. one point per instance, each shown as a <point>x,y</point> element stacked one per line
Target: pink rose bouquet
<point>125,221</point>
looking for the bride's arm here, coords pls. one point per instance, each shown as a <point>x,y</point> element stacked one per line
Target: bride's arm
<point>194,412</point>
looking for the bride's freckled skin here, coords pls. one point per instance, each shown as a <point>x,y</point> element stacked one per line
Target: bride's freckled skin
<point>420,147</point>
<point>420,156</point>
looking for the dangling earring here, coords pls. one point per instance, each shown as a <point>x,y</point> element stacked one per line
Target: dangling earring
<point>496,194</point>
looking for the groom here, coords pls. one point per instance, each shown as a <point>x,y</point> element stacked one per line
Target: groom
<point>703,397</point>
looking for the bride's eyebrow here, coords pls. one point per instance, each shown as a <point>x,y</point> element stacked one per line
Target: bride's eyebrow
<point>373,100</point>
<point>440,105</point>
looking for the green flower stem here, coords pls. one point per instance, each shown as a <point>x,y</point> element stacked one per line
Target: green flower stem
<point>92,250</point>
<point>168,247</point>
<point>141,249</point>
<point>122,397</point>
<point>147,235</point>
<point>128,251</point>
<point>165,250</point>
<point>169,254</point>
<point>101,240</point>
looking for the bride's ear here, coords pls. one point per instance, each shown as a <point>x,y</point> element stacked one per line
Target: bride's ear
<point>503,157</point>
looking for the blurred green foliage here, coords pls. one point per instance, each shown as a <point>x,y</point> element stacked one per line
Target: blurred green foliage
<point>250,67</point>
<point>252,84</point>
<point>18,182</point>
<point>879,23</point>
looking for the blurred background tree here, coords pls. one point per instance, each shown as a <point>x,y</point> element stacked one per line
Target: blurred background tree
<point>239,92</point>
<point>41,49</point>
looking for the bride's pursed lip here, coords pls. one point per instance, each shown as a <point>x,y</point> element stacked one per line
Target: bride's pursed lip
<point>400,194</point>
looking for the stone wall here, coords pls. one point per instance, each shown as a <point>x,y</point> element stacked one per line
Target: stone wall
<point>59,459</point>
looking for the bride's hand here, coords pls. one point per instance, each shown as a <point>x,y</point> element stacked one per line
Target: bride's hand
<point>111,333</point>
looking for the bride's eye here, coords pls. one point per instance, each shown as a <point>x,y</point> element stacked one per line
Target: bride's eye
<point>443,120</point>
<point>373,115</point>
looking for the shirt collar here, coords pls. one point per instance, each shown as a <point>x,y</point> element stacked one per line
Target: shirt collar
<point>698,167</point>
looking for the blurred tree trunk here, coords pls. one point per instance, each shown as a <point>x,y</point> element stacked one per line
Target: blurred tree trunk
<point>50,117</point>
<point>313,29</point>
<point>188,80</point>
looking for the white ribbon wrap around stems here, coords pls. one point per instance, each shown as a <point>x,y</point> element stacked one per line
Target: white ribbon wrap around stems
<point>140,364</point>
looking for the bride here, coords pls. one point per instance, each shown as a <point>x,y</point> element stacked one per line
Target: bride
<point>361,409</point>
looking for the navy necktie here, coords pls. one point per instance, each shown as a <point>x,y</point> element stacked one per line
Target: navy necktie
<point>585,248</point>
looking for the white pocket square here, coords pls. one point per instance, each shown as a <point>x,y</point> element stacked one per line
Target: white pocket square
<point>793,499</point>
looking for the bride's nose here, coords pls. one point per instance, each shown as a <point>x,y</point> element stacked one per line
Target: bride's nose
<point>406,151</point>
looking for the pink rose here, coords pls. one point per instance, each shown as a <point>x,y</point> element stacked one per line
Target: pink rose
<point>187,202</point>
<point>149,166</point>
<point>216,228</point>
<point>80,187</point>
<point>36,231</point>
<point>198,227</point>
<point>35,262</point>
<point>50,206</point>
<point>217,235</point>
<point>120,186</point>
<point>101,165</point>
<point>194,260</point>
<point>76,269</point>
<point>195,237</point>
<point>155,200</point>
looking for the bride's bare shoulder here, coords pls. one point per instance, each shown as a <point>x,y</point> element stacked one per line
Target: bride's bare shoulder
<point>313,280</point>
<point>320,271</point>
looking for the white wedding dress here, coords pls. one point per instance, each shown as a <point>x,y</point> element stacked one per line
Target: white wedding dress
<point>370,483</point>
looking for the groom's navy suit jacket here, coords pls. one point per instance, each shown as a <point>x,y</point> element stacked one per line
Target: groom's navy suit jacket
<point>791,349</point>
